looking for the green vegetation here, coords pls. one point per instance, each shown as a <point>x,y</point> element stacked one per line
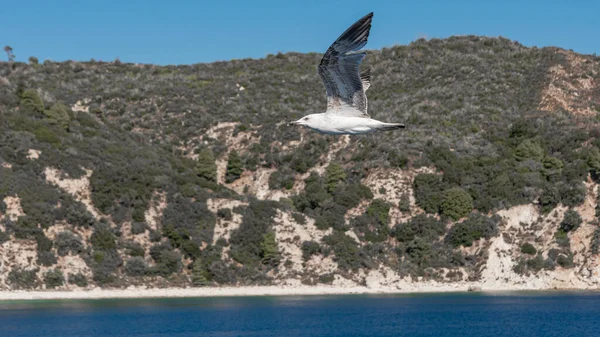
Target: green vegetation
<point>472,104</point>
<point>334,174</point>
<point>456,203</point>
<point>59,114</point>
<point>477,226</point>
<point>528,248</point>
<point>207,168</point>
<point>269,251</point>
<point>54,278</point>
<point>235,167</point>
<point>571,221</point>
<point>31,101</point>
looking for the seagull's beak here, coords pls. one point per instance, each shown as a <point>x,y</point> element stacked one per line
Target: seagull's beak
<point>293,123</point>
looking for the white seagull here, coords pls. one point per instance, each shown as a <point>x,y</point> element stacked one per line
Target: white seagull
<point>346,86</point>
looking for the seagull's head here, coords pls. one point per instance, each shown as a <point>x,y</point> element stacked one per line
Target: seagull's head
<point>304,121</point>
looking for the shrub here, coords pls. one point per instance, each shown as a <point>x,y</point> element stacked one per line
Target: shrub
<point>379,209</point>
<point>404,203</point>
<point>46,258</point>
<point>225,213</point>
<point>421,225</point>
<point>299,218</point>
<point>54,278</point>
<point>528,150</point>
<point>104,266</point>
<point>562,239</point>
<point>428,191</point>
<point>332,216</point>
<point>596,241</point>
<point>135,266</point>
<point>138,227</point>
<point>67,242</point>
<point>169,262</point>
<point>347,254</point>
<point>45,134</point>
<point>536,264</point>
<point>350,195</point>
<point>419,251</point>
<point>78,279</point>
<point>549,199</point>
<point>247,241</point>
<point>326,279</point>
<point>456,203</point>
<point>572,194</point>
<point>157,249</point>
<point>528,248</point>
<point>282,179</point>
<point>477,226</point>
<point>571,221</point>
<point>103,238</point>
<point>310,248</point>
<point>565,261</point>
<point>134,249</point>
<point>23,279</point>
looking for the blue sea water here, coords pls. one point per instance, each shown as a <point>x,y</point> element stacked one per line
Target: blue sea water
<point>516,314</point>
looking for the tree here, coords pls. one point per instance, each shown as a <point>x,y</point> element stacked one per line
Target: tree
<point>333,175</point>
<point>529,150</point>
<point>528,248</point>
<point>593,161</point>
<point>571,221</point>
<point>9,53</point>
<point>30,100</point>
<point>235,167</point>
<point>54,278</point>
<point>199,278</point>
<point>457,203</point>
<point>428,191</point>
<point>206,167</point>
<point>33,60</point>
<point>270,253</point>
<point>59,113</point>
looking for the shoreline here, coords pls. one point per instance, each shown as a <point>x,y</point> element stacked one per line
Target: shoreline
<point>250,291</point>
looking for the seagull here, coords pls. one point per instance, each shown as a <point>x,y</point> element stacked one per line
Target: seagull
<point>345,87</point>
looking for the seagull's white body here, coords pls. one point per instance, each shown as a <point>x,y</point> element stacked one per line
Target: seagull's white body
<point>346,86</point>
<point>333,124</point>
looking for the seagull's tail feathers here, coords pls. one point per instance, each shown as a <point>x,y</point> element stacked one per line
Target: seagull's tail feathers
<point>390,126</point>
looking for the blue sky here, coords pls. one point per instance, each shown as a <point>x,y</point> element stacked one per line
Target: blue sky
<point>186,32</point>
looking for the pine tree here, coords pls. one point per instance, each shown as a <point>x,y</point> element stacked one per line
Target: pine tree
<point>198,276</point>
<point>235,167</point>
<point>206,167</point>
<point>59,113</point>
<point>31,101</point>
<point>270,252</point>
<point>333,175</point>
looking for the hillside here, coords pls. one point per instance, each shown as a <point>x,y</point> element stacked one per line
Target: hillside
<point>115,174</point>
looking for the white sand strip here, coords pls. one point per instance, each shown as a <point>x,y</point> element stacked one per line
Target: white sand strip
<point>242,291</point>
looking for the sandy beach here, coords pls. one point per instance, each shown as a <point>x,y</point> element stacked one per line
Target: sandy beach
<point>98,293</point>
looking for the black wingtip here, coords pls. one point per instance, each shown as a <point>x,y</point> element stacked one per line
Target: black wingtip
<point>358,33</point>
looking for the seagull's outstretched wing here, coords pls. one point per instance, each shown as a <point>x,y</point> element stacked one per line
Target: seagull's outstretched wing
<point>339,70</point>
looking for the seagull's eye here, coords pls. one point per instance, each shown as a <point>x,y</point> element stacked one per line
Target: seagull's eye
<point>305,118</point>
